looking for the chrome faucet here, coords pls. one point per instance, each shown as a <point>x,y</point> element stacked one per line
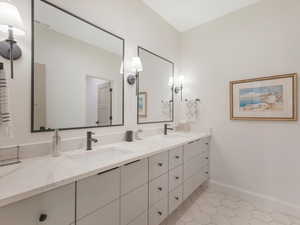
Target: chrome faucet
<point>166,128</point>
<point>90,140</point>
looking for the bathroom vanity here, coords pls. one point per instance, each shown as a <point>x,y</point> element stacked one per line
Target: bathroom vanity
<point>138,183</point>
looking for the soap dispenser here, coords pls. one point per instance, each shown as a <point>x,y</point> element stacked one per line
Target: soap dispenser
<point>56,144</point>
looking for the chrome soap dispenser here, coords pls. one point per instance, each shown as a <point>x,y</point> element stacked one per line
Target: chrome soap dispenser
<point>56,144</point>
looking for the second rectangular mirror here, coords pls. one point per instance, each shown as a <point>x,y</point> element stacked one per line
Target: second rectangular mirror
<point>155,95</point>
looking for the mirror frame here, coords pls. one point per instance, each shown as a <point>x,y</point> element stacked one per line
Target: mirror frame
<point>138,88</point>
<point>32,67</point>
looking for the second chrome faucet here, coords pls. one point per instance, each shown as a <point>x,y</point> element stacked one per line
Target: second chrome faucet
<point>90,140</point>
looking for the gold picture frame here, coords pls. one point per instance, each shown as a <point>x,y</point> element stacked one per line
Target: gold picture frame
<point>272,98</point>
<point>142,104</point>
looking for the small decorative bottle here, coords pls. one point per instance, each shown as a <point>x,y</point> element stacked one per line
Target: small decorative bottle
<point>56,144</point>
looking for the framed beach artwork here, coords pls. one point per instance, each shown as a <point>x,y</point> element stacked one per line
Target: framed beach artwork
<point>142,104</point>
<point>265,98</point>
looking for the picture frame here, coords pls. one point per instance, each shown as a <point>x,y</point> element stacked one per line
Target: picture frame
<point>272,98</point>
<point>142,104</point>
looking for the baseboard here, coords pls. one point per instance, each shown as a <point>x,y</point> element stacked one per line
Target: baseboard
<point>264,202</point>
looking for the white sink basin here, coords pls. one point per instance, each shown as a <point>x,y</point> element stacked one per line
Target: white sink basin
<point>99,153</point>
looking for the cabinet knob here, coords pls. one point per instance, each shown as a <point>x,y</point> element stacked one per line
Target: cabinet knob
<point>176,178</point>
<point>160,164</point>
<point>159,213</point>
<point>206,157</point>
<point>43,217</point>
<point>176,198</point>
<point>206,143</point>
<point>206,172</point>
<point>177,157</point>
<point>160,188</point>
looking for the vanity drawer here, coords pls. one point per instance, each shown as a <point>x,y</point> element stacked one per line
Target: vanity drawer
<point>96,191</point>
<point>158,165</point>
<point>195,148</point>
<point>195,165</point>
<point>158,189</point>
<point>109,215</point>
<point>175,198</point>
<point>141,220</point>
<point>175,157</point>
<point>158,212</point>
<point>175,177</point>
<point>53,207</point>
<point>134,204</point>
<point>191,184</point>
<point>134,175</point>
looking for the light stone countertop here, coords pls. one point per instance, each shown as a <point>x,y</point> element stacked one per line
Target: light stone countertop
<point>37,175</point>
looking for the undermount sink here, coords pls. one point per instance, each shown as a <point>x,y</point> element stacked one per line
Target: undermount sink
<point>100,152</point>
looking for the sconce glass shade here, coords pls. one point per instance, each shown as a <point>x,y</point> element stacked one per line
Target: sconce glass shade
<point>10,19</point>
<point>136,64</point>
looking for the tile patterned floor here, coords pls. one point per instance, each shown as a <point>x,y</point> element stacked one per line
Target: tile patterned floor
<point>207,206</point>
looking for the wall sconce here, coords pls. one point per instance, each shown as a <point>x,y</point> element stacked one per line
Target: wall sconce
<point>136,67</point>
<point>176,85</point>
<point>10,23</point>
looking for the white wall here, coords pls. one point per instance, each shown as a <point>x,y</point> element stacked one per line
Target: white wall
<point>130,19</point>
<point>261,40</point>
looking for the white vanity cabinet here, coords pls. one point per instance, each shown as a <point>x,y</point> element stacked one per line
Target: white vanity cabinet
<point>142,192</point>
<point>196,165</point>
<point>50,208</point>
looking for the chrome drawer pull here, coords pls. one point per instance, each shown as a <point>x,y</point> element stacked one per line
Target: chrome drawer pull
<point>177,198</point>
<point>206,157</point>
<point>160,188</point>
<point>176,178</point>
<point>160,164</point>
<point>206,172</point>
<point>177,157</point>
<point>159,213</point>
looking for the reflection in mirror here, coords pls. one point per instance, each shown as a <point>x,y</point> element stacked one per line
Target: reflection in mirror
<point>155,98</point>
<point>76,72</point>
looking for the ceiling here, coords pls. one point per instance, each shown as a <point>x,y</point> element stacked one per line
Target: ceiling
<point>187,14</point>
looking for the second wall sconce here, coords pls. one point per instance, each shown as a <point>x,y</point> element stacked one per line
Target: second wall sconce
<point>177,85</point>
<point>10,23</point>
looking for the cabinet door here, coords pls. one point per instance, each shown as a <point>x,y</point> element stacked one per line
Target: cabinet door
<point>195,148</point>
<point>134,204</point>
<point>96,191</point>
<point>194,165</point>
<point>50,208</point>
<point>108,215</point>
<point>192,183</point>
<point>134,175</point>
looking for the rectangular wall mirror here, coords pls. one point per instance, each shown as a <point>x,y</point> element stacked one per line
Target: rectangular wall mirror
<point>76,77</point>
<point>155,96</point>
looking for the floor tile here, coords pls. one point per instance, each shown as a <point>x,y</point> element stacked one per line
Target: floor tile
<point>209,206</point>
